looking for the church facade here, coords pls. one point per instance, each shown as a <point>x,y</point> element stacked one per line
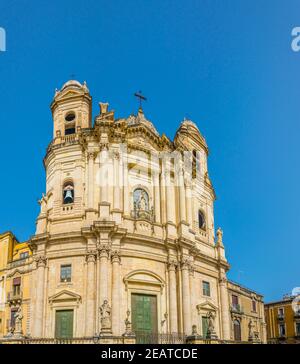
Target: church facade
<point>125,239</point>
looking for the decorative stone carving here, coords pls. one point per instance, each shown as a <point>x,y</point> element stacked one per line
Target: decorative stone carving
<point>41,261</point>
<point>128,329</point>
<point>220,237</point>
<point>250,331</point>
<point>18,322</point>
<point>91,256</point>
<point>194,330</point>
<point>115,256</point>
<point>103,251</point>
<point>172,265</point>
<point>105,314</point>
<point>211,333</point>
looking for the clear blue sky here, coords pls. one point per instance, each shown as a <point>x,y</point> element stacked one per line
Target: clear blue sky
<point>228,65</point>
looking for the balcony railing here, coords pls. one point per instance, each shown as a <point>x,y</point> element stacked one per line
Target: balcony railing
<point>280,316</point>
<point>297,314</point>
<point>18,262</point>
<point>143,337</point>
<point>237,308</point>
<point>14,297</point>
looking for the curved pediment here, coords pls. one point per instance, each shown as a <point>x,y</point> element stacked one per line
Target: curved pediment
<point>145,277</point>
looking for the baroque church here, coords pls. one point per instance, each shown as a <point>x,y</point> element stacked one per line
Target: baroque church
<point>125,241</point>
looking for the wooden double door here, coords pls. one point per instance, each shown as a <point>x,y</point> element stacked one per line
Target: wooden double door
<point>64,324</point>
<point>144,313</point>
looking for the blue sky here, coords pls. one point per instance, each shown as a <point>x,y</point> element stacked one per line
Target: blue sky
<point>228,65</point>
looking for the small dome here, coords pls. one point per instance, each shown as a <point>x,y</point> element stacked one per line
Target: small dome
<point>189,129</point>
<point>74,84</point>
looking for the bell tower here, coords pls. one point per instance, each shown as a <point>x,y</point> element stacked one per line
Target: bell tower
<point>71,109</point>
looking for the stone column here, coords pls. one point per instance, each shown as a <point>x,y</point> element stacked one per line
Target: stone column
<point>170,194</point>
<point>126,191</point>
<point>224,308</point>
<point>186,299</point>
<point>192,294</point>
<point>116,167</point>
<point>116,294</point>
<point>156,196</point>
<point>173,297</point>
<point>189,208</point>
<point>39,305</point>
<point>91,157</point>
<point>163,195</point>
<point>90,328</point>
<point>104,174</point>
<point>182,196</point>
<point>104,255</point>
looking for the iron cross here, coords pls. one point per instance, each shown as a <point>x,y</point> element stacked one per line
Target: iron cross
<point>140,97</point>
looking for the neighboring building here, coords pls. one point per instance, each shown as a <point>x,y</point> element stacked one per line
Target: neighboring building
<point>15,273</point>
<point>115,230</point>
<point>247,313</point>
<point>283,321</point>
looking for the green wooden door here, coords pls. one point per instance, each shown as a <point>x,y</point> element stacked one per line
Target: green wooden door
<point>204,326</point>
<point>144,313</point>
<point>64,324</point>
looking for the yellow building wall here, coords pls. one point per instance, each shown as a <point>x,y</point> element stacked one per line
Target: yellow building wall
<point>271,313</point>
<point>11,266</point>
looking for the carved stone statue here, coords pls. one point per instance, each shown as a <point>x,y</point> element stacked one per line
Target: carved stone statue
<point>211,333</point>
<point>18,322</point>
<point>220,237</point>
<point>250,331</point>
<point>143,201</point>
<point>105,312</point>
<point>128,330</point>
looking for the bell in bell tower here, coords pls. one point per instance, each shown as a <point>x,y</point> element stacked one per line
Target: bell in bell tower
<point>71,109</point>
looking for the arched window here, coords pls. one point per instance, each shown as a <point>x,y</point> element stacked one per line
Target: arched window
<point>140,200</point>
<point>70,123</point>
<point>68,193</point>
<point>201,220</point>
<point>237,330</point>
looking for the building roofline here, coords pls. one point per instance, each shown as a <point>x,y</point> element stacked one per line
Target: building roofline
<point>245,288</point>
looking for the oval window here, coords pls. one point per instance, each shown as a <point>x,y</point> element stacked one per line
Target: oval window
<point>70,116</point>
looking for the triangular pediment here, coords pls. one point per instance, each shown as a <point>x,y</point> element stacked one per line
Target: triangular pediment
<point>207,306</point>
<point>68,94</point>
<point>65,295</point>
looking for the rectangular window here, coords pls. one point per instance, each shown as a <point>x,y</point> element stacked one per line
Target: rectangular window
<point>24,255</point>
<point>65,273</point>
<point>254,306</point>
<point>281,312</point>
<point>206,288</point>
<point>16,286</point>
<point>235,301</point>
<point>298,328</point>
<point>282,330</point>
